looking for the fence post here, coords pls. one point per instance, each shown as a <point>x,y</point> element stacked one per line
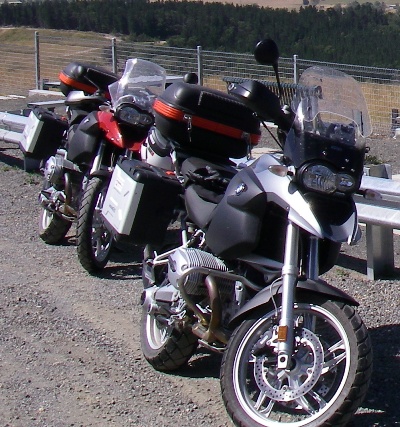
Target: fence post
<point>114,55</point>
<point>295,71</point>
<point>200,64</point>
<point>37,61</point>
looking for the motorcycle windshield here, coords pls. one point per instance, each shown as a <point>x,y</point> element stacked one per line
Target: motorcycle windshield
<point>140,83</point>
<point>332,118</point>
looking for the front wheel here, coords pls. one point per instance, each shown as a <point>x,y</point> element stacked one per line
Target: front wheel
<point>329,375</point>
<point>94,241</point>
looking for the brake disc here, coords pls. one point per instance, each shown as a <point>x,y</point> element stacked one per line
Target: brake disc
<point>287,385</point>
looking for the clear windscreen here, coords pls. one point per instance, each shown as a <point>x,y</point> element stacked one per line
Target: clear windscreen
<point>140,83</point>
<point>331,104</point>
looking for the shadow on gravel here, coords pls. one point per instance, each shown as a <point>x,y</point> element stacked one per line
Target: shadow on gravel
<point>352,263</point>
<point>68,240</point>
<point>121,272</point>
<point>360,265</point>
<point>128,260</point>
<point>10,160</point>
<point>204,364</point>
<point>381,406</point>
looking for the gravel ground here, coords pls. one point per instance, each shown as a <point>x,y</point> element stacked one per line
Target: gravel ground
<point>69,342</point>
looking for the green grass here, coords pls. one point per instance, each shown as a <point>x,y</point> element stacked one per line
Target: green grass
<point>24,36</point>
<point>32,179</point>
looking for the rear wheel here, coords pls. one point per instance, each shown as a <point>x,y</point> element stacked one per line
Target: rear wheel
<point>52,227</point>
<point>163,346</point>
<point>94,240</point>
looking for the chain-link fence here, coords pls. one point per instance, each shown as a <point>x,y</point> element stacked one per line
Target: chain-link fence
<point>17,67</point>
<point>33,67</point>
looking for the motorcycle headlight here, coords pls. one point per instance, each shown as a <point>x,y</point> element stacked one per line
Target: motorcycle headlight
<point>132,116</point>
<point>321,178</point>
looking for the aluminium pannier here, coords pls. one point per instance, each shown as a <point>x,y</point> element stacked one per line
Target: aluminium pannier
<point>42,134</point>
<point>140,201</point>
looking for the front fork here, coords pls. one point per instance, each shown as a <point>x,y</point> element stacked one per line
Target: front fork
<point>290,274</point>
<point>99,158</point>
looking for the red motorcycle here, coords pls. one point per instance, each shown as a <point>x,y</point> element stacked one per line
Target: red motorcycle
<point>48,135</point>
<point>79,175</point>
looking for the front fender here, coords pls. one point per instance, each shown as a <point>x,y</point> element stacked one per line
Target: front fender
<point>318,286</point>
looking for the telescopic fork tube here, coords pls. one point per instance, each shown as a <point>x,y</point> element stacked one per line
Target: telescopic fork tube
<point>289,280</point>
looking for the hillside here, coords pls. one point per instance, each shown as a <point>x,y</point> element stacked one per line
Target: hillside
<point>289,4</point>
<point>340,34</point>
<point>275,4</point>
<point>24,36</point>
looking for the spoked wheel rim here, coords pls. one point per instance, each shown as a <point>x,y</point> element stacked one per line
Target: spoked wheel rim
<point>298,396</point>
<point>101,236</point>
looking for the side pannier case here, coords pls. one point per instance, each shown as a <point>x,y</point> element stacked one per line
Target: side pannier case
<point>206,122</point>
<point>140,202</point>
<point>42,134</point>
<point>88,78</point>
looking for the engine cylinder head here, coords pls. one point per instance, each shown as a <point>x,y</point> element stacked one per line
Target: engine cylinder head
<point>186,258</point>
<point>53,169</point>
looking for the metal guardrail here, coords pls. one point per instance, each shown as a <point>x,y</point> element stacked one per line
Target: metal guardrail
<point>11,127</point>
<point>51,105</point>
<point>13,122</point>
<point>381,216</point>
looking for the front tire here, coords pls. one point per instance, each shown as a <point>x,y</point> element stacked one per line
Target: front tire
<point>327,382</point>
<point>94,240</point>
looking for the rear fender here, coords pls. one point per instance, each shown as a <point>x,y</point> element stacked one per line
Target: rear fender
<point>315,287</point>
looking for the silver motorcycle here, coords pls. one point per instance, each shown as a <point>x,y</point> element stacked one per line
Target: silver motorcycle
<point>242,276</point>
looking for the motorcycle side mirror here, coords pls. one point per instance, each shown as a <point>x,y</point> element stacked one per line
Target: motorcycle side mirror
<point>191,78</point>
<point>266,52</point>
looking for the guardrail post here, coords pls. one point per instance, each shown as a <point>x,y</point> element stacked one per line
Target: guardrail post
<point>37,61</point>
<point>380,251</point>
<point>295,71</point>
<point>200,64</point>
<point>114,55</point>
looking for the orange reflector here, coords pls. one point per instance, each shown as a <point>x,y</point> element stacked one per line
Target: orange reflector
<point>282,333</point>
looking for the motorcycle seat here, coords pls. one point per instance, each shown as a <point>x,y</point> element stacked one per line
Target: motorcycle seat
<point>205,185</point>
